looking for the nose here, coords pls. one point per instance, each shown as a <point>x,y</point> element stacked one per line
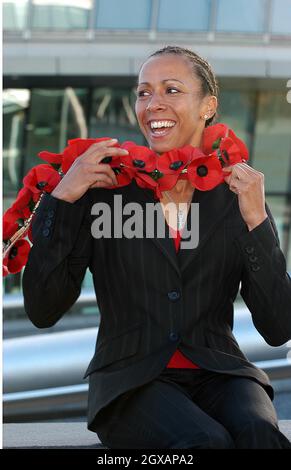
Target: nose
<point>155,104</point>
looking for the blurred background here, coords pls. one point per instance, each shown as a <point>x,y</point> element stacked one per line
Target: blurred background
<point>70,68</point>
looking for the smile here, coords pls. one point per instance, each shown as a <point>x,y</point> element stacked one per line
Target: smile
<point>161,128</point>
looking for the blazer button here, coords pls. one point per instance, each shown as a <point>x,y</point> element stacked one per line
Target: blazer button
<point>173,337</point>
<point>249,249</point>
<point>50,214</point>
<point>174,295</point>
<point>255,267</point>
<point>253,258</point>
<point>46,232</point>
<point>48,222</point>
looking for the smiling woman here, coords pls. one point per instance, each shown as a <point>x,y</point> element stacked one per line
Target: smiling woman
<point>167,371</point>
<point>176,97</point>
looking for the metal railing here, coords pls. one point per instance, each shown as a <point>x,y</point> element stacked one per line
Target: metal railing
<point>71,400</point>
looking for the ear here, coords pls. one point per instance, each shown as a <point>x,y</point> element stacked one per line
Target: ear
<point>209,107</point>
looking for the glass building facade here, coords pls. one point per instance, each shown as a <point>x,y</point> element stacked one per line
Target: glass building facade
<point>246,16</point>
<point>43,114</point>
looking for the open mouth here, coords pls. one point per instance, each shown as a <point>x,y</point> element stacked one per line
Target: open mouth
<point>161,128</point>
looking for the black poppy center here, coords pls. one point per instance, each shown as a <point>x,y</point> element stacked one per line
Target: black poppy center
<point>41,184</point>
<point>106,160</point>
<point>176,165</point>
<point>138,163</point>
<point>13,252</point>
<point>202,170</point>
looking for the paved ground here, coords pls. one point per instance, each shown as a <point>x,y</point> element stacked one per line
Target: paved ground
<point>63,435</point>
<point>282,403</point>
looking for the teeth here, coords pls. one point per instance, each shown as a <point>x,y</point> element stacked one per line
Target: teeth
<point>158,124</point>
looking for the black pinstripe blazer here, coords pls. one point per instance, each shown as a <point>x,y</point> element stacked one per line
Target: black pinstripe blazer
<point>153,300</point>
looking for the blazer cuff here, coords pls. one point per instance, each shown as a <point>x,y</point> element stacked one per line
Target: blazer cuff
<point>57,221</point>
<point>257,246</point>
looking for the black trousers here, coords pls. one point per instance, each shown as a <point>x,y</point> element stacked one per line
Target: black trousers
<point>192,409</point>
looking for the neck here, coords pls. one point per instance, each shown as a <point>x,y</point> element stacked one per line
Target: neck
<point>182,187</point>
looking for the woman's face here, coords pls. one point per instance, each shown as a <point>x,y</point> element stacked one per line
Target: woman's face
<point>170,106</point>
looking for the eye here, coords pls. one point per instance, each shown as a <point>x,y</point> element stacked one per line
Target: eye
<point>141,93</point>
<point>172,90</point>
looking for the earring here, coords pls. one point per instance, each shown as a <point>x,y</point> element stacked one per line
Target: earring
<point>205,116</point>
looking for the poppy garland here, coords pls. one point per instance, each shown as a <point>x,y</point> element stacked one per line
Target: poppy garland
<point>201,166</point>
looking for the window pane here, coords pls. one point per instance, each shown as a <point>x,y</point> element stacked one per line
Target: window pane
<point>281,17</point>
<point>186,15</point>
<point>63,119</point>
<point>236,109</point>
<point>123,14</point>
<point>14,14</point>
<point>113,115</point>
<point>241,15</point>
<point>15,103</point>
<point>272,149</point>
<point>281,211</point>
<point>61,14</point>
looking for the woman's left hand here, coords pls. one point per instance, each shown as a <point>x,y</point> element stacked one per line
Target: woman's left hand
<point>248,184</point>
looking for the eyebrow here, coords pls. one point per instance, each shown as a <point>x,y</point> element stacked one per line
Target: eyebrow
<point>163,81</point>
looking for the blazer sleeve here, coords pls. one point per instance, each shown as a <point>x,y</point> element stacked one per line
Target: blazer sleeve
<point>265,284</point>
<point>58,259</point>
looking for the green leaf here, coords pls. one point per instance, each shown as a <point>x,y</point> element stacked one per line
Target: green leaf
<point>156,174</point>
<point>216,143</point>
<point>56,166</point>
<point>20,222</point>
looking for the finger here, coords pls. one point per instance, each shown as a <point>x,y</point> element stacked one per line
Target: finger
<point>92,169</point>
<point>103,143</point>
<point>239,172</point>
<point>109,152</point>
<point>253,172</point>
<point>105,168</point>
<point>98,146</point>
<point>100,179</point>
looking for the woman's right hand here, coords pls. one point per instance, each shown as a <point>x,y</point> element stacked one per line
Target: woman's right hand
<point>87,172</point>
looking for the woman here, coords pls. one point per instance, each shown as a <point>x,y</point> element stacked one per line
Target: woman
<point>167,371</point>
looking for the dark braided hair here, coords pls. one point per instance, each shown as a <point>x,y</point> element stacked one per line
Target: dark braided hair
<point>202,70</point>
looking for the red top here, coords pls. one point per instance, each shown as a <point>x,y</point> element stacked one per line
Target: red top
<point>178,360</point>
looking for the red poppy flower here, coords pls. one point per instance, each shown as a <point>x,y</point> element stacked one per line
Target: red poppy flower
<point>140,158</point>
<point>17,256</point>
<point>228,152</point>
<point>240,144</point>
<point>171,164</point>
<point>41,177</point>
<point>211,135</point>
<point>76,148</point>
<point>205,173</point>
<point>53,158</point>
<point>123,176</point>
<point>10,225</point>
<point>138,163</point>
<point>146,181</point>
<point>25,202</point>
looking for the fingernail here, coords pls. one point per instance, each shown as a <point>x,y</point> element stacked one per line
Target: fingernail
<point>112,140</point>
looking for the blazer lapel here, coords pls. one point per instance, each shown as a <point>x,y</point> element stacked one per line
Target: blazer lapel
<point>166,244</point>
<point>213,205</point>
